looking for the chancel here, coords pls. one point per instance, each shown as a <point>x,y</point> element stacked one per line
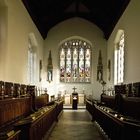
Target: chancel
<point>68,68</point>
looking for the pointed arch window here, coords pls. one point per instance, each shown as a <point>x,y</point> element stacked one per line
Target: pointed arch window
<point>119,60</point>
<point>32,60</point>
<point>75,61</point>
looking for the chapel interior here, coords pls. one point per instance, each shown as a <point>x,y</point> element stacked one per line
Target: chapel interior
<point>69,69</point>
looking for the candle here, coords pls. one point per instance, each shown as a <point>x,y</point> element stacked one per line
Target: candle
<point>121,118</point>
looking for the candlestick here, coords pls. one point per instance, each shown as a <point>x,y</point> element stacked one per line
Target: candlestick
<point>2,91</point>
<point>19,92</point>
<point>12,91</point>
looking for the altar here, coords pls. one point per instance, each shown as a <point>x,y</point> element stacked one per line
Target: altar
<point>69,98</point>
<point>81,99</point>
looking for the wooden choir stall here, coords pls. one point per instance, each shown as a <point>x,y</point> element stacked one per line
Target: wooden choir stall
<point>23,115</point>
<point>118,115</point>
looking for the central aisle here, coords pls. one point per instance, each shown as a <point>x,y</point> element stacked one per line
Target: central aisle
<point>75,125</point>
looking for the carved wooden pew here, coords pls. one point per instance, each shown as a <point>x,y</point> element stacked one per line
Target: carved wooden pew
<point>24,114</point>
<point>114,124</point>
<point>1,89</point>
<point>36,125</point>
<point>16,90</point>
<point>41,101</point>
<point>119,117</point>
<point>23,90</point>
<point>89,106</point>
<point>59,108</point>
<point>131,107</point>
<point>12,108</point>
<point>129,102</point>
<point>9,90</point>
<point>109,101</point>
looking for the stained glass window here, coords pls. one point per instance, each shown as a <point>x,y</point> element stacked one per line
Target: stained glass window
<point>68,65</point>
<point>62,65</point>
<point>75,65</point>
<point>75,61</point>
<point>87,65</point>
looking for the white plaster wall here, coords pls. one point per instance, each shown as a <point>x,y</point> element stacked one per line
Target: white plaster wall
<point>66,29</point>
<point>3,32</point>
<point>130,23</point>
<point>19,25</point>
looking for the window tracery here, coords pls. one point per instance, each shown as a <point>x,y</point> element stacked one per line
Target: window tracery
<point>75,61</point>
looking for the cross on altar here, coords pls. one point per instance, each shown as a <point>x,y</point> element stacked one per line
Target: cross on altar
<point>74,89</point>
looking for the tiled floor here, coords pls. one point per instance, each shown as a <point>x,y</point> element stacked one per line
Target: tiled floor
<point>75,125</point>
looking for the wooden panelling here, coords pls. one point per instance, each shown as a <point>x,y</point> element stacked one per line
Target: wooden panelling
<point>114,124</point>
<point>42,125</point>
<point>1,90</point>
<point>11,109</point>
<point>59,108</point>
<point>35,126</point>
<point>16,90</point>
<point>8,90</point>
<point>15,136</point>
<point>41,101</point>
<point>136,89</point>
<point>23,89</point>
<point>131,107</point>
<point>27,116</point>
<point>108,100</point>
<point>121,89</point>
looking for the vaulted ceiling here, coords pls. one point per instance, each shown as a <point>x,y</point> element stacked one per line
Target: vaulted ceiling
<point>48,13</point>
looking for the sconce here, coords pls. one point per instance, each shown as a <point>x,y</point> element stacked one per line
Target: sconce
<point>49,68</point>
